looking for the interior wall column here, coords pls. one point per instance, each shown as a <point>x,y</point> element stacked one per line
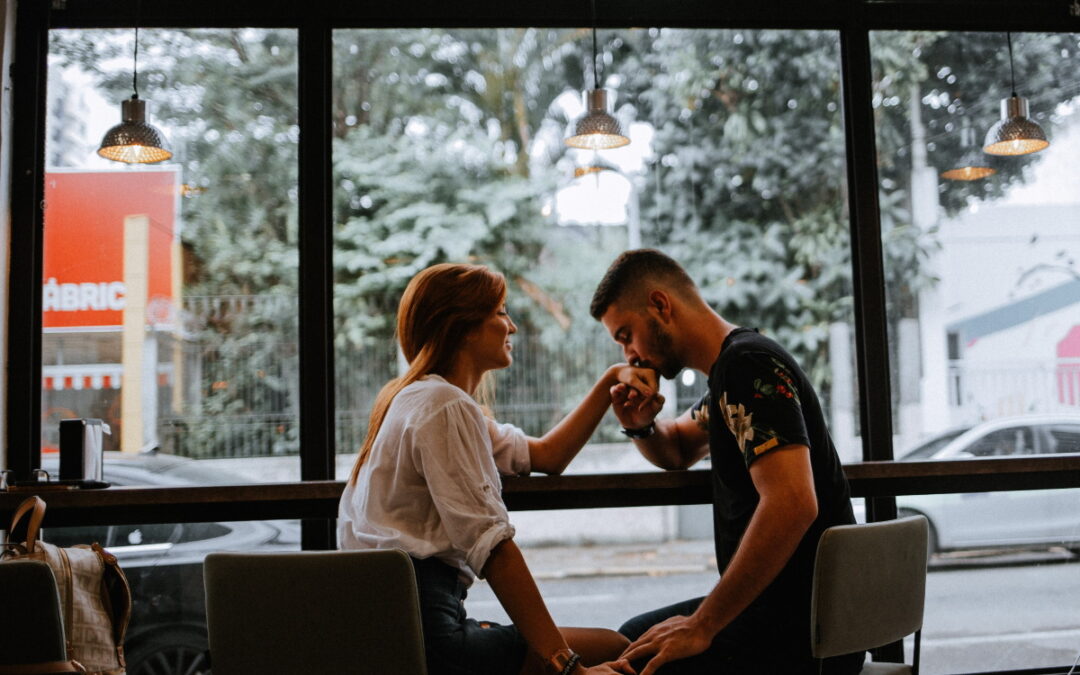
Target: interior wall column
<point>7,46</point>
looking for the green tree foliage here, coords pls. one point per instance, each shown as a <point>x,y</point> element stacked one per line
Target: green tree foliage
<point>442,171</point>
<point>750,186</point>
<point>749,189</point>
<point>434,135</point>
<point>447,147</point>
<point>954,79</point>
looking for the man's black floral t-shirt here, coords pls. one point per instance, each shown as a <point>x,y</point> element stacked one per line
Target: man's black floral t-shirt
<point>760,401</point>
<point>759,405</point>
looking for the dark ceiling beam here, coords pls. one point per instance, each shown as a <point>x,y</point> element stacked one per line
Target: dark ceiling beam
<point>959,15</point>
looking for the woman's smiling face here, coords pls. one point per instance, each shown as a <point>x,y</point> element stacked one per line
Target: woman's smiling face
<point>489,343</point>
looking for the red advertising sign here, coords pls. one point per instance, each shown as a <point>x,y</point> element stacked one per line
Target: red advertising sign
<point>84,242</point>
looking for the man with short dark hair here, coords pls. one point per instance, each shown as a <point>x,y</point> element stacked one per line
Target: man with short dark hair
<point>777,480</point>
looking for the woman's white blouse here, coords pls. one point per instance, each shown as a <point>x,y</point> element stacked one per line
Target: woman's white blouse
<point>431,483</point>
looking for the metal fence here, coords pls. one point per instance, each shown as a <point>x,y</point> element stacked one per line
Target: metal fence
<point>987,390</point>
<point>541,387</point>
<point>239,391</point>
<point>230,381</point>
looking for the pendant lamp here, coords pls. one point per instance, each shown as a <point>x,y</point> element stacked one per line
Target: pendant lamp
<point>1015,133</point>
<point>597,129</point>
<point>973,164</point>
<point>134,140</point>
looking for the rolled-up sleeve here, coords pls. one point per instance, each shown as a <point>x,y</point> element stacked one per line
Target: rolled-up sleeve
<point>454,454</point>
<point>510,448</point>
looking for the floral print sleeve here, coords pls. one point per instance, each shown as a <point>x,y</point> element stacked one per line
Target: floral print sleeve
<point>761,407</point>
<point>699,412</point>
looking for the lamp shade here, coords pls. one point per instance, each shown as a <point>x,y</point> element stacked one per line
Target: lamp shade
<point>597,129</point>
<point>973,164</point>
<point>134,141</point>
<point>1015,133</point>
<point>971,169</point>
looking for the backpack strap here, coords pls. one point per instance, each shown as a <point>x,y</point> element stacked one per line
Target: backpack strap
<point>65,578</point>
<point>116,595</point>
<point>35,506</point>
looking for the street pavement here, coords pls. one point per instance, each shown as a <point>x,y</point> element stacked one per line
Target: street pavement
<point>697,555</point>
<point>673,557</point>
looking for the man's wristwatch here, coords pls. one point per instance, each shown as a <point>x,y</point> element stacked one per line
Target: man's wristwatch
<point>563,662</point>
<point>643,432</point>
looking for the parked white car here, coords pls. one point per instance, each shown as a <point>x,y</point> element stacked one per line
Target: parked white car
<point>998,519</point>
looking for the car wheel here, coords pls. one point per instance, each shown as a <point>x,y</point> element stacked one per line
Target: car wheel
<point>932,540</point>
<point>169,652</point>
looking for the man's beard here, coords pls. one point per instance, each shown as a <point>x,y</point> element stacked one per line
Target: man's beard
<point>663,348</point>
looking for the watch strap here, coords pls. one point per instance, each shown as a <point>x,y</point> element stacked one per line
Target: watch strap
<point>643,432</point>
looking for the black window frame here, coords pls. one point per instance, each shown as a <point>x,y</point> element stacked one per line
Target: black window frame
<point>315,22</point>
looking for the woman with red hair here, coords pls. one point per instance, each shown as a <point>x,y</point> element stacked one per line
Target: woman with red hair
<point>426,481</point>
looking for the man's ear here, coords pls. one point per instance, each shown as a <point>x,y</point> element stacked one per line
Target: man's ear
<point>660,305</point>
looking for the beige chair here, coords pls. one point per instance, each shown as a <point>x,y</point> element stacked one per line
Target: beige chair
<point>335,612</point>
<point>869,590</point>
<point>31,628</point>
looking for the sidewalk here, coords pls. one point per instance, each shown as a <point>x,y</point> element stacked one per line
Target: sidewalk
<point>696,555</point>
<point>673,557</point>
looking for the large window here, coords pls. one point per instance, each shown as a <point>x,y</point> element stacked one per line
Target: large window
<point>169,302</point>
<point>448,146</point>
<point>983,291</point>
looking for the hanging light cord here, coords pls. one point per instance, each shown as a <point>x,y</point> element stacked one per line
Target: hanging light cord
<point>135,65</point>
<point>595,59</point>
<point>135,68</point>
<point>1012,68</point>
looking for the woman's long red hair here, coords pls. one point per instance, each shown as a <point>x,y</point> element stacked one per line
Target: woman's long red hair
<point>440,306</point>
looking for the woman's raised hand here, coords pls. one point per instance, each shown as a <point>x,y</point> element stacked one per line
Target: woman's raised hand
<point>644,381</point>
<point>636,399</point>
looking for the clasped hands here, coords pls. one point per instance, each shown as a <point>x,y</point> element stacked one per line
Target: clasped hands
<point>636,399</point>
